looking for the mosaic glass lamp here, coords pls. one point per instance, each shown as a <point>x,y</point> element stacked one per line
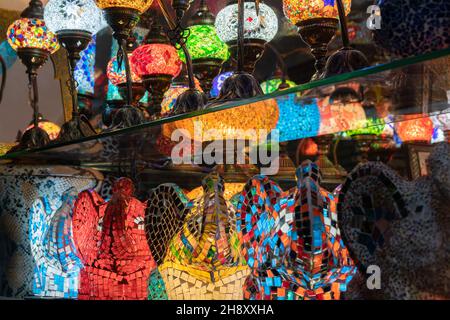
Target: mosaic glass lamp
<point>123,16</point>
<point>194,240</point>
<point>178,86</point>
<point>49,127</point>
<point>207,51</point>
<point>85,77</point>
<point>317,22</point>
<point>291,240</point>
<point>74,22</point>
<point>415,128</point>
<point>110,239</point>
<point>34,42</point>
<point>260,26</point>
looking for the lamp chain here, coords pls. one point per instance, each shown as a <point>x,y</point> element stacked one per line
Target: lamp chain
<point>240,53</point>
<point>122,57</point>
<point>73,85</point>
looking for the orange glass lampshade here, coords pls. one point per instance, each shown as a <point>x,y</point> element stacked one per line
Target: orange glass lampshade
<point>139,5</point>
<point>231,123</point>
<point>32,33</point>
<point>415,128</point>
<point>49,127</point>
<point>156,59</point>
<point>117,75</point>
<point>301,10</point>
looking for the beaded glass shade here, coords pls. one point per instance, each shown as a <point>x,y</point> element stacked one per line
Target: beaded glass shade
<point>51,128</point>
<point>171,95</point>
<point>262,27</point>
<point>156,59</point>
<point>85,69</point>
<point>218,83</point>
<point>301,10</point>
<point>32,33</point>
<point>203,42</point>
<point>139,5</point>
<point>116,74</point>
<point>82,15</point>
<point>415,128</point>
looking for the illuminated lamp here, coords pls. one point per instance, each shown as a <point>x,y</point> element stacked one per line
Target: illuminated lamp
<point>74,22</point>
<point>218,83</point>
<point>260,26</point>
<point>49,127</point>
<point>207,51</point>
<point>197,261</point>
<point>34,42</point>
<point>317,22</point>
<point>415,128</point>
<point>85,78</point>
<point>123,16</point>
<point>157,63</point>
<point>364,136</point>
<point>178,87</point>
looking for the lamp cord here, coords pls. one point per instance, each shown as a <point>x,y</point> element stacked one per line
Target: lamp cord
<point>2,86</point>
<point>182,43</point>
<point>280,62</point>
<point>343,23</point>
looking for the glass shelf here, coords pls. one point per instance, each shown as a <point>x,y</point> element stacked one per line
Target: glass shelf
<point>417,86</point>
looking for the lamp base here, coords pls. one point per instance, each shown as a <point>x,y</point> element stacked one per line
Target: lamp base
<point>156,86</point>
<point>109,110</point>
<point>317,33</point>
<point>253,51</point>
<point>343,61</point>
<point>363,145</point>
<point>122,21</point>
<point>127,116</point>
<point>331,173</point>
<point>240,85</point>
<point>206,70</point>
<point>32,58</point>
<point>85,104</point>
<point>74,41</point>
<point>76,128</point>
<point>32,139</point>
<point>138,92</point>
<point>190,100</point>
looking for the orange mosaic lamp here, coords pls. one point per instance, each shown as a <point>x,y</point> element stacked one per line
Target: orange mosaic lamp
<point>51,128</point>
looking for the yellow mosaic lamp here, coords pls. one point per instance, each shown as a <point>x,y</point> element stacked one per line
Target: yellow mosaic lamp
<point>194,241</point>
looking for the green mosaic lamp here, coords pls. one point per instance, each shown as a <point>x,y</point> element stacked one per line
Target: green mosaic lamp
<point>208,52</point>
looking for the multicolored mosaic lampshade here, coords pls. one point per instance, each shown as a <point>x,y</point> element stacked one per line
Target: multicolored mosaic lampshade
<point>218,83</point>
<point>83,15</point>
<point>111,241</point>
<point>58,266</point>
<point>171,95</point>
<point>195,242</point>
<point>291,240</point>
<point>262,26</point>
<point>273,85</point>
<point>156,59</point>
<point>85,69</point>
<point>32,33</point>
<point>203,43</point>
<point>415,128</point>
<point>139,5</point>
<point>301,10</point>
<point>117,75</point>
